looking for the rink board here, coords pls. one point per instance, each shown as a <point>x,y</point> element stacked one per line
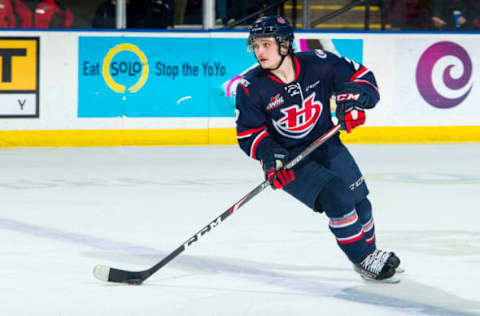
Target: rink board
<point>177,88</point>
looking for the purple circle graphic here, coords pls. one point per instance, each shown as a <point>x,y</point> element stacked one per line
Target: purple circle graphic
<point>425,70</point>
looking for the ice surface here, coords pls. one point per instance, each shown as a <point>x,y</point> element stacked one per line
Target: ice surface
<point>65,210</point>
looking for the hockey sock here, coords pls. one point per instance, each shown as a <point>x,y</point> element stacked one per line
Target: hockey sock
<point>364,210</point>
<point>337,202</point>
<point>350,236</point>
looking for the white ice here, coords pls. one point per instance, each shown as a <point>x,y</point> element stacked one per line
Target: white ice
<point>65,210</point>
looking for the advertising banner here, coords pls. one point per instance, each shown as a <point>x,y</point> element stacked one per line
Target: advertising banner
<point>19,77</point>
<point>171,77</point>
<point>435,82</point>
<point>114,88</point>
<point>157,77</point>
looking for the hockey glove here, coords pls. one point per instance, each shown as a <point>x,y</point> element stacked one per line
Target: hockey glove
<point>350,102</point>
<point>274,171</point>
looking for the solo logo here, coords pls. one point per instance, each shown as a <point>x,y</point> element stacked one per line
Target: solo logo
<point>444,74</point>
<point>19,73</point>
<point>110,69</point>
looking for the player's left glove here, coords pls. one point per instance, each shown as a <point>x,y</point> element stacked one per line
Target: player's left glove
<point>350,106</point>
<point>275,173</point>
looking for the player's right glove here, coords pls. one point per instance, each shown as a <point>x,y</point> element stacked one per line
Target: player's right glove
<point>350,106</point>
<point>274,171</point>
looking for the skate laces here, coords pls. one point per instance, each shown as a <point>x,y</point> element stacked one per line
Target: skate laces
<point>375,261</point>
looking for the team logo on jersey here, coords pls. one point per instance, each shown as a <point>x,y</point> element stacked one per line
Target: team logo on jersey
<point>275,101</point>
<point>298,121</point>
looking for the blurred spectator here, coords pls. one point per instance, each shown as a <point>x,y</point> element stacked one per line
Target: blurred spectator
<point>105,15</point>
<point>473,11</point>
<point>221,12</point>
<point>7,18</point>
<point>455,14</point>
<point>162,14</point>
<point>408,14</point>
<point>157,14</point>
<point>194,13</point>
<point>42,14</point>
<point>180,8</point>
<point>239,11</point>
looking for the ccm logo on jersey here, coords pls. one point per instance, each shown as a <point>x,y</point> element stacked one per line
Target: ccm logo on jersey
<point>275,101</point>
<point>348,96</point>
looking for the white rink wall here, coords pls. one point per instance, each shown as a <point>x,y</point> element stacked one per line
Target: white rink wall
<point>427,80</point>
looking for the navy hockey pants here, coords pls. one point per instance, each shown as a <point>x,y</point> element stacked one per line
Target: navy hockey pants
<point>332,183</point>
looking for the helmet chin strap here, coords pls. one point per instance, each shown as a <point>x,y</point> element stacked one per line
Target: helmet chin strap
<point>275,68</point>
<point>280,63</point>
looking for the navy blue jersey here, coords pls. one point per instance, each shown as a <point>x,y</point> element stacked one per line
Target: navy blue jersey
<point>271,113</point>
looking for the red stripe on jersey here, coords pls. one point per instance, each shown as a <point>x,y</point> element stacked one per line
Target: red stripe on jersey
<point>249,132</point>
<point>274,78</point>
<point>244,89</point>
<point>367,82</point>
<point>297,67</point>
<point>256,141</point>
<point>359,73</point>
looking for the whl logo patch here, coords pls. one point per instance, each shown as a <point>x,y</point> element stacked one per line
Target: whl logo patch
<point>298,121</point>
<point>275,101</point>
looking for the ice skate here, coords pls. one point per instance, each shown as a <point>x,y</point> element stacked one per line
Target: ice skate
<point>394,261</point>
<point>376,267</point>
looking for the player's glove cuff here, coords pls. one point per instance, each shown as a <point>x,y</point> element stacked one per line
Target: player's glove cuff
<point>351,101</point>
<point>274,171</point>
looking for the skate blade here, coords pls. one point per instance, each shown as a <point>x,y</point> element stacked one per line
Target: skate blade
<point>400,270</point>
<point>392,280</point>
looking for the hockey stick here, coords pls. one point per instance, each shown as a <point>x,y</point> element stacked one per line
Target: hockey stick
<point>105,273</point>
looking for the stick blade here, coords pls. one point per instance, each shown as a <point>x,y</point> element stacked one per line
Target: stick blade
<point>107,274</point>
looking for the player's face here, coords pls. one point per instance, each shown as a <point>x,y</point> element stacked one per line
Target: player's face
<point>266,51</point>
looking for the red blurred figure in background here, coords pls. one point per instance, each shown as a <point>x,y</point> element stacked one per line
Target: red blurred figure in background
<point>7,18</point>
<point>42,14</point>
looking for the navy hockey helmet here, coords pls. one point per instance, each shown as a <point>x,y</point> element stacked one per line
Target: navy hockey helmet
<point>272,26</point>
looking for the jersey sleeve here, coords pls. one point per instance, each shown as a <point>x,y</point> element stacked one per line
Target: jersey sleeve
<point>346,70</point>
<point>252,133</point>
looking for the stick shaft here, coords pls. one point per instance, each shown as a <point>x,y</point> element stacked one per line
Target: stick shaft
<point>117,275</point>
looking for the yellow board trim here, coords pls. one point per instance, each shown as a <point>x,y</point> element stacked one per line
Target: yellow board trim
<point>79,138</point>
<point>412,134</point>
<point>224,136</point>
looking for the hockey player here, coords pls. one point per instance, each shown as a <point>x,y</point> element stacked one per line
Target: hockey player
<point>282,106</point>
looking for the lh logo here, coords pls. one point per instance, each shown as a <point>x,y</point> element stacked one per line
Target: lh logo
<point>298,121</point>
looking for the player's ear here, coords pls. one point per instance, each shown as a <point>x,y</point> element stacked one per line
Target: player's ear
<point>284,47</point>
